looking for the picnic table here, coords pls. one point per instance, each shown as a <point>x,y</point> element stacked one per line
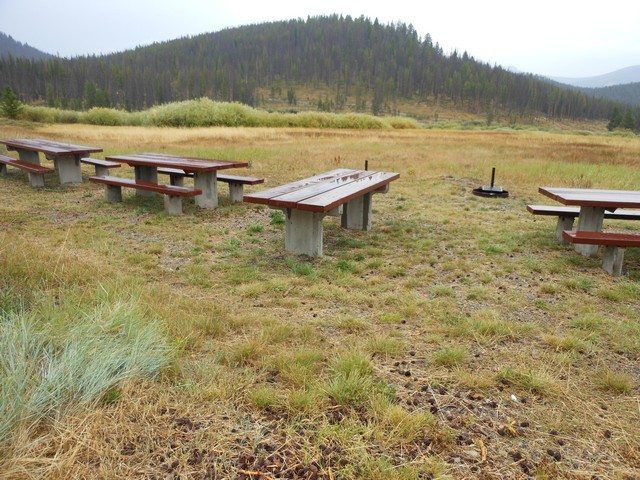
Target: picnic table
<point>341,192</point>
<point>65,156</point>
<point>204,172</point>
<point>593,204</point>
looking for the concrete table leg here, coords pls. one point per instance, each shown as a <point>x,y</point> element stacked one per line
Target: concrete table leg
<point>28,156</point>
<point>303,232</point>
<point>146,174</point>
<point>357,213</point>
<point>68,167</point>
<point>590,220</point>
<point>113,193</point>
<point>208,183</point>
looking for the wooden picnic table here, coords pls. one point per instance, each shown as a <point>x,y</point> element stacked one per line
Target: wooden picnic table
<point>592,203</point>
<point>204,172</point>
<point>341,192</point>
<point>65,156</point>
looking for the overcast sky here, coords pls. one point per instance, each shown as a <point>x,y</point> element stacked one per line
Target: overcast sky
<point>561,38</point>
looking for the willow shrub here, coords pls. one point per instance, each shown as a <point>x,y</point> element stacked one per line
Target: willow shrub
<point>51,368</point>
<point>204,112</point>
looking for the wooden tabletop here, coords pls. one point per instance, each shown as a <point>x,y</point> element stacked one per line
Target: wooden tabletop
<point>588,197</point>
<point>323,192</point>
<point>49,147</point>
<point>188,164</point>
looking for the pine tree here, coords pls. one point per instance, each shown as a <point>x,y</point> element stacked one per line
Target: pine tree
<point>628,122</point>
<point>10,104</point>
<point>615,120</point>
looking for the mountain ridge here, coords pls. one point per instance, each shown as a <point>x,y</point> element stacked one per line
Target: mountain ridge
<point>10,46</point>
<point>622,76</point>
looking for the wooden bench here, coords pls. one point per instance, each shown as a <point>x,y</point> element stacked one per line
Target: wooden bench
<point>341,192</point>
<point>102,166</point>
<point>36,172</point>
<point>615,246</point>
<point>172,194</point>
<point>236,183</point>
<point>567,215</point>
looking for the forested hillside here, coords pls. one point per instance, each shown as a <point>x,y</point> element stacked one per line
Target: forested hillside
<point>9,46</point>
<point>627,93</point>
<point>358,64</point>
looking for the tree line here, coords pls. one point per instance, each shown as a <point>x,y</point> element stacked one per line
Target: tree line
<point>374,65</point>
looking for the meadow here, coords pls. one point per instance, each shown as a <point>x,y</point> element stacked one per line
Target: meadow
<point>456,339</point>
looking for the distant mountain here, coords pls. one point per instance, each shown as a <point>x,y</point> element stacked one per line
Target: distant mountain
<point>9,46</point>
<point>619,77</point>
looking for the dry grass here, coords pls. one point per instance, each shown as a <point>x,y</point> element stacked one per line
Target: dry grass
<point>457,339</point>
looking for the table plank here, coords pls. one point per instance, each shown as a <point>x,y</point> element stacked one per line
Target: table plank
<point>593,197</point>
<point>188,164</point>
<point>265,196</point>
<point>330,199</point>
<point>294,198</point>
<point>49,147</point>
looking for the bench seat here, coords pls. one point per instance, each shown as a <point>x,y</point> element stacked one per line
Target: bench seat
<point>236,183</point>
<point>567,215</point>
<point>36,172</point>
<point>172,194</point>
<point>102,166</point>
<point>615,245</point>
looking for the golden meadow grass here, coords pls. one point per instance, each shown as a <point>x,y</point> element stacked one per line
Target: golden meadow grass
<point>456,339</point>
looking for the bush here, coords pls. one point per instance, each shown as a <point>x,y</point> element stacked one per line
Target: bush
<point>105,116</point>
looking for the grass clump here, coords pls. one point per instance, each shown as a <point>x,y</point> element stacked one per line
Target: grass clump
<point>50,369</point>
<point>614,382</point>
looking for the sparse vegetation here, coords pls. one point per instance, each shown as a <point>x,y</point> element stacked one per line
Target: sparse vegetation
<point>456,339</point>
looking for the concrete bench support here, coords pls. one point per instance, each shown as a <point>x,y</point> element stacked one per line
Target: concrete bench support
<point>172,194</point>
<point>35,171</point>
<point>236,191</point>
<point>613,259</point>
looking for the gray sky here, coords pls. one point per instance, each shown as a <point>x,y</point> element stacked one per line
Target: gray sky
<point>562,38</point>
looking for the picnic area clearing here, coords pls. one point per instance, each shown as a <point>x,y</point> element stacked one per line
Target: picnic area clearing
<point>455,339</point>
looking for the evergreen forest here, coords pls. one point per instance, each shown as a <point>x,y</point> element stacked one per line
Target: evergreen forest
<point>359,64</point>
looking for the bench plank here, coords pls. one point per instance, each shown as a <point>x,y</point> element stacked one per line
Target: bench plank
<point>172,194</point>
<point>239,179</point>
<point>171,190</point>
<point>29,167</point>
<point>560,211</point>
<point>615,246</point>
<point>603,238</point>
<point>102,166</point>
